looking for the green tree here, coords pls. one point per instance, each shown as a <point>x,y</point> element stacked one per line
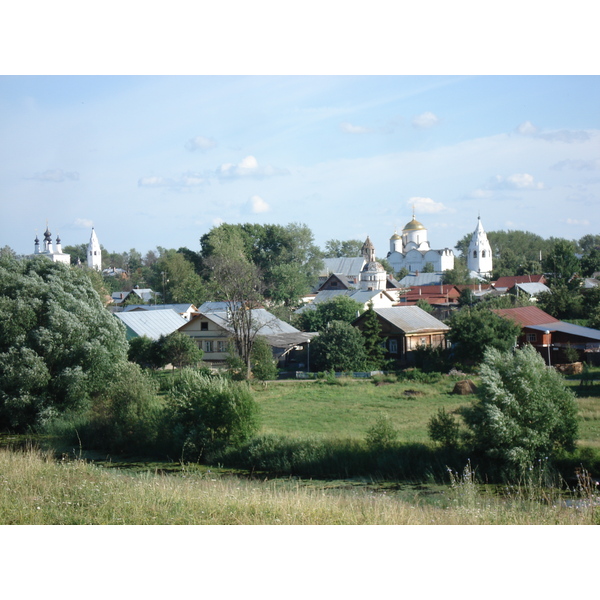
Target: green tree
<point>145,352</point>
<point>589,242</point>
<point>58,345</point>
<point>340,347</point>
<point>472,330</point>
<point>459,275</point>
<point>342,249</point>
<point>428,268</point>
<point>444,429</point>
<point>204,412</point>
<point>179,350</point>
<point>524,413</point>
<point>424,305</point>
<point>590,262</point>
<point>562,302</point>
<point>318,316</point>
<point>264,365</point>
<point>374,341</point>
<point>561,260</point>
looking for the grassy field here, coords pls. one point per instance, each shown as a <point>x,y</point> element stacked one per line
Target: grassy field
<point>348,409</point>
<point>37,490</point>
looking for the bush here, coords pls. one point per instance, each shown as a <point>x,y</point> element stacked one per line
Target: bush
<point>444,429</point>
<point>382,434</point>
<point>525,411</point>
<point>205,412</point>
<point>264,366</point>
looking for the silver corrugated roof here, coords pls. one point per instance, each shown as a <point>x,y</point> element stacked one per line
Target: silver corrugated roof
<point>411,319</point>
<point>152,323</point>
<point>179,308</point>
<point>267,324</point>
<point>570,328</point>
<point>421,279</point>
<point>532,288</point>
<point>350,267</point>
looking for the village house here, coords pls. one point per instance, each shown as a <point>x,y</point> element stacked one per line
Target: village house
<point>405,329</point>
<point>551,337</point>
<point>150,324</point>
<point>210,328</point>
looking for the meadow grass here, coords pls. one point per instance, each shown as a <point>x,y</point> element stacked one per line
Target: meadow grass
<point>349,409</point>
<point>36,489</point>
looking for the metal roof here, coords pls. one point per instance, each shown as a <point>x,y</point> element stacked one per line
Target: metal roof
<point>216,307</point>
<point>526,315</point>
<point>151,324</point>
<point>267,324</point>
<point>350,267</point>
<point>421,279</point>
<point>411,319</point>
<point>532,288</point>
<point>569,328</point>
<point>179,308</point>
<point>360,296</point>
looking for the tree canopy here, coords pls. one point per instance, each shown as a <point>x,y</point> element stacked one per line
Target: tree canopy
<point>339,308</point>
<point>340,347</point>
<point>473,330</point>
<point>58,345</point>
<point>525,412</point>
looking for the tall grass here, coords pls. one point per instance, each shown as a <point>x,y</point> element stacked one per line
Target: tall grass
<point>35,489</point>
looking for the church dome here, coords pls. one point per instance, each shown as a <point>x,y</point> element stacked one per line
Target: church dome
<point>373,267</point>
<point>395,237</point>
<point>414,225</point>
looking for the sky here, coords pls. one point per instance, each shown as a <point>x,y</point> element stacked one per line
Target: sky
<point>156,142</point>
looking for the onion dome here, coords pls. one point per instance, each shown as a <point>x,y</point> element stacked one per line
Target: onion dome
<point>414,225</point>
<point>395,237</point>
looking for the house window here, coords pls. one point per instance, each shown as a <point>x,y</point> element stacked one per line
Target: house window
<point>204,326</point>
<point>532,337</point>
<point>334,284</point>
<point>208,346</point>
<point>393,346</point>
<point>221,347</point>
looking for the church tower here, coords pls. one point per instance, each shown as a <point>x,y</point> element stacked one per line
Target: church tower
<point>373,275</point>
<point>479,258</point>
<point>94,254</point>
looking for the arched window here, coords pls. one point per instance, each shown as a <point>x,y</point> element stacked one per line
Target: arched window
<point>474,253</point>
<point>483,254</point>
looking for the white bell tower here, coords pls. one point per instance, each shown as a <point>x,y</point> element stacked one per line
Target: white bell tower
<point>94,253</point>
<point>479,257</point>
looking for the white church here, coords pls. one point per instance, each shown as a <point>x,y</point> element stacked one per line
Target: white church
<point>55,254</point>
<point>412,251</point>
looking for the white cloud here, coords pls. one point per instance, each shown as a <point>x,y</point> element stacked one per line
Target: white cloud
<point>425,120</point>
<point>349,128</point>
<point>186,180</point>
<point>527,128</point>
<point>517,181</point>
<point>200,143</point>
<point>584,222</point>
<point>577,165</point>
<point>218,221</point>
<point>258,205</point>
<point>83,223</point>
<point>426,205</point>
<point>248,167</point>
<point>56,176</point>
<point>565,136</point>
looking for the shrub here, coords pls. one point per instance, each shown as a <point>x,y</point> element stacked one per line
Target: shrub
<point>443,429</point>
<point>382,434</point>
<point>525,412</point>
<point>205,412</point>
<point>264,366</point>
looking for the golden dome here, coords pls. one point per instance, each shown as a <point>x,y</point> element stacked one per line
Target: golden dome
<point>414,225</point>
<point>396,237</point>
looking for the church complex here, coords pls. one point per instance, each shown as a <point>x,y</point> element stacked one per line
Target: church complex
<point>410,251</point>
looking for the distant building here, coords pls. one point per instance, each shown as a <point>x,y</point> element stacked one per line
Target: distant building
<point>94,253</point>
<point>479,256</point>
<point>55,254</point>
<point>412,251</point>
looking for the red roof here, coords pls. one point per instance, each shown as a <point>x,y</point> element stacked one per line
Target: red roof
<point>508,282</point>
<point>526,315</point>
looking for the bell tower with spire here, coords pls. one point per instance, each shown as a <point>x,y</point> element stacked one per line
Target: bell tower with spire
<point>479,258</point>
<point>94,253</point>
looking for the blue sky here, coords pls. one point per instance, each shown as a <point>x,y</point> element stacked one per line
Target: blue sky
<point>159,160</point>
